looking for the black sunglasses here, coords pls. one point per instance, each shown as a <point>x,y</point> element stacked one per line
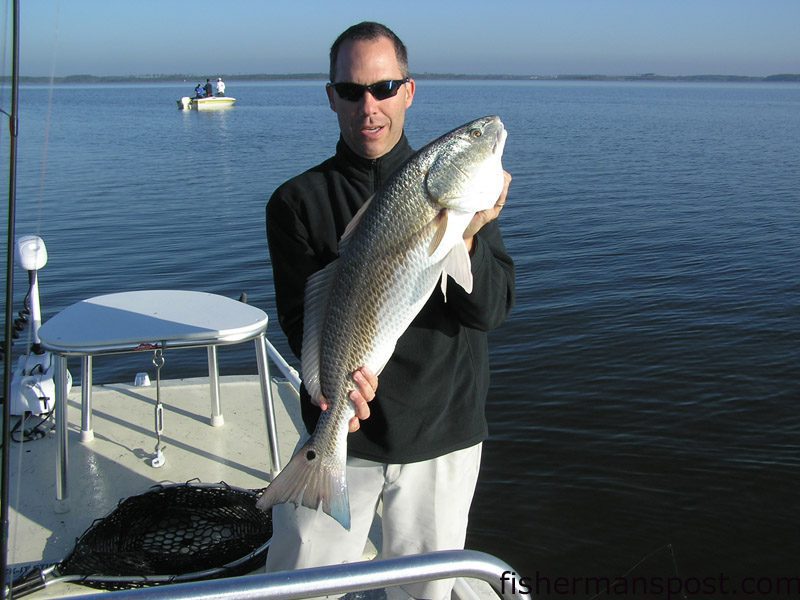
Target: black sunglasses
<point>380,90</point>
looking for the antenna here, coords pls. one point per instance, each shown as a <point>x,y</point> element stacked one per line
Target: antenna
<point>12,193</point>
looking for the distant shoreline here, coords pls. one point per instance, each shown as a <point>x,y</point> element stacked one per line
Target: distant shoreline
<point>186,78</point>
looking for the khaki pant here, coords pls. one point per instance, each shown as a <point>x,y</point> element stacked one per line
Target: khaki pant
<point>425,508</point>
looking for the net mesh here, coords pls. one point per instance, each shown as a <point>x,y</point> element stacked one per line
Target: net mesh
<point>173,530</point>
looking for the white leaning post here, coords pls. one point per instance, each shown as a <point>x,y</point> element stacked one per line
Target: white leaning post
<point>130,322</point>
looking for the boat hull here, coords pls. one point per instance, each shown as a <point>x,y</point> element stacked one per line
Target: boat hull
<point>208,103</point>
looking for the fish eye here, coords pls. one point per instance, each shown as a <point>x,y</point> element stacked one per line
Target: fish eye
<point>476,133</point>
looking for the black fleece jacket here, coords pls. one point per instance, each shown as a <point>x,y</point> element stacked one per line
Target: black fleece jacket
<point>432,393</point>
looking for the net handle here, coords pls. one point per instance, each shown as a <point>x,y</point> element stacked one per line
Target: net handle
<point>40,579</point>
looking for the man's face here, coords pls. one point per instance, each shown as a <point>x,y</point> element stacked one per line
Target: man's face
<point>370,127</point>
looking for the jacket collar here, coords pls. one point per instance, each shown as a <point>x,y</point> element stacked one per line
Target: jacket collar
<point>381,167</point>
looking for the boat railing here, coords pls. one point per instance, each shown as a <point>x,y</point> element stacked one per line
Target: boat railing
<point>291,374</point>
<point>343,578</point>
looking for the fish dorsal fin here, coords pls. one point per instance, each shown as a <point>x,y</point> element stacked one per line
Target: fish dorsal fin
<point>353,224</point>
<point>315,307</point>
<point>438,235</point>
<point>458,266</point>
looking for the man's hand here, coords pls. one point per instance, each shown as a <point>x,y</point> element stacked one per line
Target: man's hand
<point>486,216</point>
<point>366,386</point>
<point>367,383</point>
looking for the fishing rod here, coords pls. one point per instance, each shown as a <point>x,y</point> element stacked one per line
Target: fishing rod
<point>12,198</point>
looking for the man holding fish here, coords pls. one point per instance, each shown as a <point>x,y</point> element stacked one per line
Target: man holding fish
<point>389,268</point>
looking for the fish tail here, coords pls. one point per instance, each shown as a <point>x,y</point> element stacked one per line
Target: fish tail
<point>309,481</point>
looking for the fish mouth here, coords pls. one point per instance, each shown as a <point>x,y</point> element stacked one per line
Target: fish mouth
<point>499,140</point>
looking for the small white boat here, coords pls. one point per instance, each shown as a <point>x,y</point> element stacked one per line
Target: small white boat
<point>206,103</point>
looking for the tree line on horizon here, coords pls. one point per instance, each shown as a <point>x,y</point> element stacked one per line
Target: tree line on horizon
<point>184,78</point>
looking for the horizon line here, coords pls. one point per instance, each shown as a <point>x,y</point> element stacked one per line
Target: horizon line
<point>87,78</point>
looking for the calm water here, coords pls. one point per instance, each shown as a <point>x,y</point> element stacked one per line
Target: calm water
<point>645,387</point>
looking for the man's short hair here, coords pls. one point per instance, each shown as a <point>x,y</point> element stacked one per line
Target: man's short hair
<point>369,30</point>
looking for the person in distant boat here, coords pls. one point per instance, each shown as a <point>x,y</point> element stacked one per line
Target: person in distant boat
<point>220,87</point>
<point>198,91</point>
<point>415,443</point>
<point>208,88</point>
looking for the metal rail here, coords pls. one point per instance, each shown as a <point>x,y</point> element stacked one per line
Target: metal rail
<point>13,124</point>
<point>284,367</point>
<point>339,579</point>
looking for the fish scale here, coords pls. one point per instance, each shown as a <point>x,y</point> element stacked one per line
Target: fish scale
<point>404,240</point>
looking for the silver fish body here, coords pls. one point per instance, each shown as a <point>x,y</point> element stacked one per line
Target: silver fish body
<point>404,240</point>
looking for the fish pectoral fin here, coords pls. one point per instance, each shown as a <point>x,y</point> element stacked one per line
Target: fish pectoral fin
<point>458,266</point>
<point>438,235</point>
<point>308,481</point>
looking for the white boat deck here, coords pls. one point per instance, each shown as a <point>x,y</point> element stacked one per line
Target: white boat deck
<point>116,464</point>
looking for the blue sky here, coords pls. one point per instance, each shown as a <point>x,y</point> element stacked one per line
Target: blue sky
<point>545,37</point>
